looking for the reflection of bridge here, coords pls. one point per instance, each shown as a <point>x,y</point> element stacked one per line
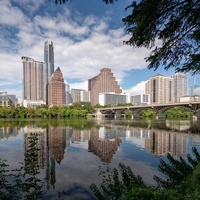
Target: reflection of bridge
<point>159,109</point>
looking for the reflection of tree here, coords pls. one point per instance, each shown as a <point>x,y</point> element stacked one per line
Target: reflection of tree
<point>22,183</point>
<point>32,186</point>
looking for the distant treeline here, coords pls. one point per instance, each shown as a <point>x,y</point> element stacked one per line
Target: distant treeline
<point>81,111</point>
<point>74,111</point>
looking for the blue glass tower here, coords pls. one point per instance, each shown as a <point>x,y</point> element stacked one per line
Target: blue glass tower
<point>49,57</point>
<point>49,61</point>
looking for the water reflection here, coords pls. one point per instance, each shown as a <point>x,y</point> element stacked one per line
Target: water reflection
<point>105,142</point>
<point>160,143</point>
<point>6,132</point>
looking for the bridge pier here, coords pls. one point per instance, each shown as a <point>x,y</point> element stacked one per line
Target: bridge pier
<point>99,115</point>
<point>117,116</point>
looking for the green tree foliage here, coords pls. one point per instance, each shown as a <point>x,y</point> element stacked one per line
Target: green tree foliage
<point>178,113</point>
<point>171,28</point>
<point>147,114</point>
<point>183,179</point>
<point>177,170</point>
<point>76,110</point>
<point>22,183</point>
<point>128,113</point>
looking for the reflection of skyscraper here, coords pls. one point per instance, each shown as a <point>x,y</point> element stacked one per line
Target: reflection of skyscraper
<point>50,169</point>
<point>41,143</point>
<point>6,131</point>
<point>80,135</point>
<point>57,143</point>
<point>103,148</point>
<point>160,143</point>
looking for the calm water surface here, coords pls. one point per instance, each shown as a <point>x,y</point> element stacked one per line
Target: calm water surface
<point>71,151</point>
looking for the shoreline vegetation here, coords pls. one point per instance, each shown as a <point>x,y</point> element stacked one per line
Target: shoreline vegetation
<point>81,111</point>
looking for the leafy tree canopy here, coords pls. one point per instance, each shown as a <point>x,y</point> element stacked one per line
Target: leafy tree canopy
<point>173,23</point>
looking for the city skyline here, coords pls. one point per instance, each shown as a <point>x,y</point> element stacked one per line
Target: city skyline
<point>86,39</point>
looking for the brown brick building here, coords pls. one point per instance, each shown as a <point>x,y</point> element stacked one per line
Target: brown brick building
<point>56,89</point>
<point>103,82</point>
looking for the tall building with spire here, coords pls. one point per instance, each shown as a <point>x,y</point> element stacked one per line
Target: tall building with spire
<point>49,61</point>
<point>56,89</point>
<point>103,82</point>
<point>34,80</point>
<point>49,58</point>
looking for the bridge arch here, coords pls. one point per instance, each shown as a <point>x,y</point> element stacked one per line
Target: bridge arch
<point>137,111</point>
<point>160,113</point>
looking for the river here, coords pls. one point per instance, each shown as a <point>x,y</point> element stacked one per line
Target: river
<point>71,151</point>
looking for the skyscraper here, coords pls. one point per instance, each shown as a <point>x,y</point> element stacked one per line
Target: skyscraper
<point>160,89</point>
<point>49,61</point>
<point>56,89</point>
<point>103,82</point>
<point>34,79</point>
<point>180,86</point>
<point>49,58</point>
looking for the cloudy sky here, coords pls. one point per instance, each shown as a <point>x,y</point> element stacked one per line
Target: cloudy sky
<point>87,35</point>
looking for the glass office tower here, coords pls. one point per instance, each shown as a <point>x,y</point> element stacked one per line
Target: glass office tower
<point>49,61</point>
<point>49,57</point>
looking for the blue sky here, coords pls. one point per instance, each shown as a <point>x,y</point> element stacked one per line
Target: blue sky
<point>87,35</point>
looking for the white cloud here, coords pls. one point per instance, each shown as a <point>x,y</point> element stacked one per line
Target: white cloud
<point>81,85</point>
<point>137,89</point>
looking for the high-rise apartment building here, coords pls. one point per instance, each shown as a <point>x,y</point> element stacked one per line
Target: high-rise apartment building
<point>56,89</point>
<point>49,58</point>
<point>103,82</point>
<point>160,89</point>
<point>34,79</point>
<point>80,96</point>
<point>76,95</point>
<point>180,86</point>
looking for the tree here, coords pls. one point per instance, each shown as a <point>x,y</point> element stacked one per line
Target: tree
<point>181,183</point>
<point>173,23</point>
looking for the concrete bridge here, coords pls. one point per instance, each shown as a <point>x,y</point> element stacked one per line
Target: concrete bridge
<point>159,109</point>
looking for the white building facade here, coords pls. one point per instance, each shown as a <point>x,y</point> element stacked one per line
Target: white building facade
<point>112,99</point>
